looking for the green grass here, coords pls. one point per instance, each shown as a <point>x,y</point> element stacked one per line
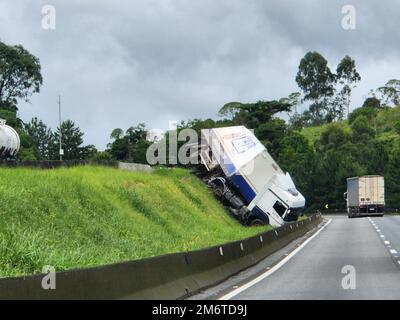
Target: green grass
<point>89,216</point>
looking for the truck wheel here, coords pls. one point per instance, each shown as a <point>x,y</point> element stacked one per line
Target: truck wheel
<point>256,223</point>
<point>218,188</point>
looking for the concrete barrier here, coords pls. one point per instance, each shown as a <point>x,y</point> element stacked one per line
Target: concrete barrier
<point>135,167</point>
<point>172,276</point>
<point>53,164</point>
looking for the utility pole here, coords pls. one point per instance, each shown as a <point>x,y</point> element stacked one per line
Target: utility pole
<point>61,151</point>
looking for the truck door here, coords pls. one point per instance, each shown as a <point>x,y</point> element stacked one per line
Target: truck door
<point>270,204</point>
<point>279,208</point>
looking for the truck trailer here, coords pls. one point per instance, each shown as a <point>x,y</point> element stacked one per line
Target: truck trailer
<point>365,196</point>
<point>243,174</point>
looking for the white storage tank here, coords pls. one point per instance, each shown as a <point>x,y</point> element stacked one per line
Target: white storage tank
<point>9,141</point>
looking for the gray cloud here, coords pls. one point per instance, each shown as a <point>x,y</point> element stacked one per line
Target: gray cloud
<point>123,62</point>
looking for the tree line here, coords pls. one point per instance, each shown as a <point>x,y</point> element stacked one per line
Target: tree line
<point>320,146</point>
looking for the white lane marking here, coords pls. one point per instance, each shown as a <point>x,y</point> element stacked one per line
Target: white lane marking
<point>387,243</point>
<point>274,268</point>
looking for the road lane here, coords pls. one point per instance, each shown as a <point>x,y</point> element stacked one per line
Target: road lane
<point>388,230</point>
<point>316,271</point>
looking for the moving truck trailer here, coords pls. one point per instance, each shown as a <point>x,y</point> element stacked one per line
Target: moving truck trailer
<point>242,173</point>
<point>365,196</point>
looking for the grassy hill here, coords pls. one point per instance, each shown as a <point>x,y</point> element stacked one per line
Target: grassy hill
<point>88,216</point>
<point>384,123</point>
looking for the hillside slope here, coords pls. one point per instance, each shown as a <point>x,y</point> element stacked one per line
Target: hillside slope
<point>384,123</point>
<point>88,216</point>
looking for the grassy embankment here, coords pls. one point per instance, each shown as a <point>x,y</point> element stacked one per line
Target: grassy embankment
<point>89,216</point>
<point>384,124</point>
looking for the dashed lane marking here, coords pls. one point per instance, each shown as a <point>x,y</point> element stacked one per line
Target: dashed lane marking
<point>393,252</point>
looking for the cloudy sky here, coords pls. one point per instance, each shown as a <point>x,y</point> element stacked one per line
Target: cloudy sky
<point>119,63</point>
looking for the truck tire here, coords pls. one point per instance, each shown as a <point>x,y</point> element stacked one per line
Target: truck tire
<point>256,223</point>
<point>352,213</point>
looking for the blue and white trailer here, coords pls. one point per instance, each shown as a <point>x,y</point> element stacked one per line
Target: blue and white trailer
<point>248,178</point>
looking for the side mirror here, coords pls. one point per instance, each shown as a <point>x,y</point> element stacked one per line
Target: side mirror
<point>345,196</point>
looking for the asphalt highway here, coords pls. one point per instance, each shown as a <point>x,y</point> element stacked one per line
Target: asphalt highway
<point>346,259</point>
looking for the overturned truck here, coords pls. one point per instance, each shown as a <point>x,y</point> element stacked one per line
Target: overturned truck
<point>246,178</point>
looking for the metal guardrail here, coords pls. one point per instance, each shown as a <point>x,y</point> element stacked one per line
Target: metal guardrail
<point>171,276</point>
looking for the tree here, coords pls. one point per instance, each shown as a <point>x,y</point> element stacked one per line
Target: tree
<point>368,112</point>
<point>397,127</point>
<point>117,134</point>
<point>42,138</point>
<point>347,76</point>
<point>72,139</point>
<point>136,134</point>
<point>270,133</point>
<point>129,147</point>
<point>295,155</point>
<point>230,110</point>
<point>373,103</point>
<point>20,74</point>
<point>101,156</point>
<point>362,130</point>
<point>390,92</point>
<point>119,149</point>
<point>88,152</point>
<point>27,147</point>
<point>337,106</point>
<point>11,118</point>
<point>294,100</point>
<point>254,114</point>
<point>316,81</point>
<point>334,137</point>
<point>392,179</point>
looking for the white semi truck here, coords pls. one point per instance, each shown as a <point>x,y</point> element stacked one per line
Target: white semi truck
<point>244,175</point>
<point>365,196</point>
